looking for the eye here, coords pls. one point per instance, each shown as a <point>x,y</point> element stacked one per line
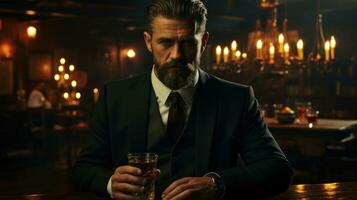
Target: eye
<point>166,43</point>
<point>188,42</point>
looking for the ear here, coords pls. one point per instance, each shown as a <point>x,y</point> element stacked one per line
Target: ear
<point>147,38</point>
<point>204,41</point>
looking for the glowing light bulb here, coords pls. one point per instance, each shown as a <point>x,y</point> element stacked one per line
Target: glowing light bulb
<point>31,32</point>
<point>95,90</point>
<point>65,95</point>
<point>71,68</point>
<point>57,77</point>
<point>74,83</point>
<point>78,95</point>
<point>131,53</point>
<point>62,61</point>
<point>60,68</point>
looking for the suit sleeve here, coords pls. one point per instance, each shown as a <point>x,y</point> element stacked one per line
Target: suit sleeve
<point>266,170</point>
<point>93,168</point>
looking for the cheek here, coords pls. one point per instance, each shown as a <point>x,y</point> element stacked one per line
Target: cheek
<point>191,53</point>
<point>160,55</point>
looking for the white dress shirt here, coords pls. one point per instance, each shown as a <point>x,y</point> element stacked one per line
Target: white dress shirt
<point>162,93</point>
<point>37,100</point>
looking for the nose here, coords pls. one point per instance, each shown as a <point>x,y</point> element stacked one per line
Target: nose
<point>176,51</point>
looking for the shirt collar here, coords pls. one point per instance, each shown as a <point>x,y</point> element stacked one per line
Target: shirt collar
<point>162,91</point>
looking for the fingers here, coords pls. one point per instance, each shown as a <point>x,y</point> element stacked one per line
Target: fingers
<point>187,188</point>
<point>127,181</point>
<point>187,194</point>
<point>128,170</point>
<point>127,178</point>
<point>176,187</point>
<point>127,188</point>
<point>175,184</point>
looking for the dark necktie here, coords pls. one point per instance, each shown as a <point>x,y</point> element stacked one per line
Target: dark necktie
<point>177,116</point>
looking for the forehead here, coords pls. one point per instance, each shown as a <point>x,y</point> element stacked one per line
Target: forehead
<point>167,27</point>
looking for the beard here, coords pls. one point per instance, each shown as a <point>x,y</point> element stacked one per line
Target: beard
<point>175,74</point>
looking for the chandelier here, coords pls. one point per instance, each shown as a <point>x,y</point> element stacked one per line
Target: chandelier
<point>277,50</point>
<point>67,84</point>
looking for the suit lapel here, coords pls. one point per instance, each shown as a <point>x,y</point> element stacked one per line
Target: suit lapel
<point>205,105</point>
<point>139,97</point>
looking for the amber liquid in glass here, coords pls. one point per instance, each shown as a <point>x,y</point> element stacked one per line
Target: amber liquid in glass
<point>148,168</point>
<point>312,118</point>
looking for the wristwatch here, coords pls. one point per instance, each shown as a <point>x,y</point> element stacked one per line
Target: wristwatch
<point>218,182</point>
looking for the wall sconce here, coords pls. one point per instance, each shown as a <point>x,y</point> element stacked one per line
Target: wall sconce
<point>30,12</point>
<point>6,49</point>
<point>131,53</point>
<point>31,31</point>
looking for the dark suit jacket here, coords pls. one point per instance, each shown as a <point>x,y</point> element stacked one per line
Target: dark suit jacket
<point>229,127</point>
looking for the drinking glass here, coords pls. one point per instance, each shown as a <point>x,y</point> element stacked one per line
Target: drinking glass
<point>312,116</point>
<point>147,162</point>
<point>301,108</point>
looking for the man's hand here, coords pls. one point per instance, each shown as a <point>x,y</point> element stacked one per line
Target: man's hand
<point>191,188</point>
<point>126,181</point>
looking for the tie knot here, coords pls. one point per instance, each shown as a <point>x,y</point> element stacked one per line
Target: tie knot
<point>175,98</point>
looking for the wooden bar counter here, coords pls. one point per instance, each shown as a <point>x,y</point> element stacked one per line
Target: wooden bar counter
<point>343,190</point>
<point>312,140</point>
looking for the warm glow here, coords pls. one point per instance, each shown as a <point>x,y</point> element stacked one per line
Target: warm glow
<point>333,42</point>
<point>225,51</point>
<point>30,12</point>
<point>238,54</point>
<point>71,68</point>
<point>31,32</point>
<point>78,95</point>
<point>74,83</point>
<point>327,45</point>
<point>259,44</point>
<point>218,50</point>
<point>218,54</point>
<point>327,51</point>
<point>286,48</point>
<point>286,53</point>
<point>234,45</point>
<point>330,186</point>
<point>271,53</point>
<point>57,77</point>
<point>6,50</point>
<point>281,38</point>
<point>300,49</point>
<point>225,54</point>
<point>65,95</point>
<point>311,125</point>
<point>271,49</point>
<point>281,43</point>
<point>62,61</point>
<point>300,188</point>
<point>66,76</point>
<point>333,46</point>
<point>60,68</point>
<point>95,90</point>
<point>131,53</point>
<point>300,44</point>
<point>244,55</point>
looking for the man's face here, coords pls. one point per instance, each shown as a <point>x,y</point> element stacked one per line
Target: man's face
<point>177,47</point>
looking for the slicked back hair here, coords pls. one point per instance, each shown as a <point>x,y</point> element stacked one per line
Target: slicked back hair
<point>177,9</point>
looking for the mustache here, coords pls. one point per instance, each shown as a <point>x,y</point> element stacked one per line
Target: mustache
<point>173,64</point>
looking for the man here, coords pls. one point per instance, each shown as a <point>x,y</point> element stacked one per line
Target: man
<point>199,125</point>
<point>37,98</point>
